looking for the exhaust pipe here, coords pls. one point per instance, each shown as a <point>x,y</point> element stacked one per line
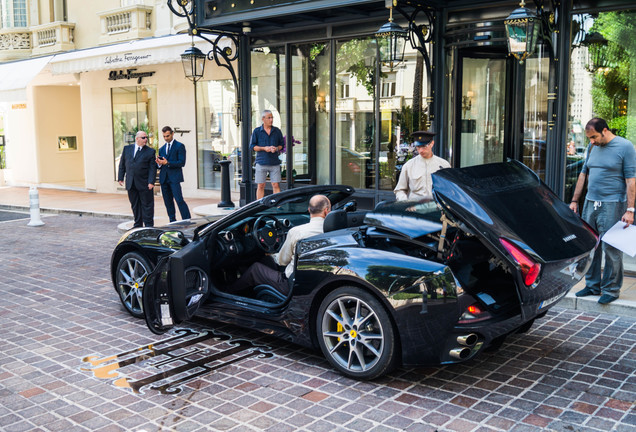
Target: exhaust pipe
<point>467,340</point>
<point>459,353</point>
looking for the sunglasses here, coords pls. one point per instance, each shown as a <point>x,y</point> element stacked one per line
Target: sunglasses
<point>143,137</point>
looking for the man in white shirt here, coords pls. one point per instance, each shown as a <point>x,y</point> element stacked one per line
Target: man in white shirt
<point>259,273</point>
<point>415,181</point>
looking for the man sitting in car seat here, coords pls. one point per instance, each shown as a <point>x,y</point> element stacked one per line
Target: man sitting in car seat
<point>259,273</point>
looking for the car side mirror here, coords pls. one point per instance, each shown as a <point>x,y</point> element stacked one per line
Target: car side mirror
<point>173,239</point>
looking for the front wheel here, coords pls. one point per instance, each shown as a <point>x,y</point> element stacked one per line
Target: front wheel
<point>132,271</point>
<point>355,333</point>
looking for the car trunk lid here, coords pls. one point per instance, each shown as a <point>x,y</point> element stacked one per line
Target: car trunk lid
<point>506,203</point>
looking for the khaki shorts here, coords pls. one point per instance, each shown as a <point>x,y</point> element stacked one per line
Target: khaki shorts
<point>261,171</point>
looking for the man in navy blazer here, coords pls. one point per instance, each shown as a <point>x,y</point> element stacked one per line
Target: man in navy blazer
<point>137,164</point>
<point>171,159</point>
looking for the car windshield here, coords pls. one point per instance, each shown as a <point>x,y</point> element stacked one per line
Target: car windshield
<point>299,204</point>
<point>412,218</point>
<point>425,209</point>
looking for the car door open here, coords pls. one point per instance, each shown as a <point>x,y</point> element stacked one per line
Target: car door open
<point>177,287</point>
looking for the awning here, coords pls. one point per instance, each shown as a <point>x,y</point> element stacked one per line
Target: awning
<point>165,49</point>
<point>15,76</point>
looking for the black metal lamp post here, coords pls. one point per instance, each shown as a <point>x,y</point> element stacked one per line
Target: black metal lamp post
<point>522,31</point>
<point>392,40</point>
<point>193,61</point>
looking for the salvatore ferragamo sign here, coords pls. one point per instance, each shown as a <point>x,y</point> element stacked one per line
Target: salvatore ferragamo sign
<point>128,74</point>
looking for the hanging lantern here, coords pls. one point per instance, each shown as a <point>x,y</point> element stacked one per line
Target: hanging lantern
<point>391,39</point>
<point>597,48</point>
<point>522,30</point>
<point>193,61</point>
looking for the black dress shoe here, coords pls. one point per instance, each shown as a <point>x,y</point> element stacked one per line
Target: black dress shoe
<point>587,291</point>
<point>606,298</point>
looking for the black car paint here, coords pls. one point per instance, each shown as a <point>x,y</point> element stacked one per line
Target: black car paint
<point>427,322</point>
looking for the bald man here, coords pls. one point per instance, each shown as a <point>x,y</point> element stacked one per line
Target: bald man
<point>259,273</point>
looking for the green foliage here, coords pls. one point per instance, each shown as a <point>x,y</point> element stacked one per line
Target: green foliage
<point>611,83</point>
<point>351,56</point>
<point>619,125</point>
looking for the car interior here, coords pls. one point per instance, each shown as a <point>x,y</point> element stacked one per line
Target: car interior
<point>476,268</point>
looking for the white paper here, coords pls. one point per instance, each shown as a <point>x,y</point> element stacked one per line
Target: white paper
<point>623,239</point>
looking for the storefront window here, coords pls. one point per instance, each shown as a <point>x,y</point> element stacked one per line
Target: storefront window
<point>134,109</point>
<point>218,136</point>
<point>347,137</point>
<point>355,114</point>
<point>320,60</point>
<point>603,51</point>
<point>309,108</point>
<point>483,110</point>
<point>268,88</point>
<point>536,111</point>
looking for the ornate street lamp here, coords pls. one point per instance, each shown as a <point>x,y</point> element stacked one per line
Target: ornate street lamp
<point>391,40</point>
<point>522,30</point>
<point>598,50</point>
<point>193,61</point>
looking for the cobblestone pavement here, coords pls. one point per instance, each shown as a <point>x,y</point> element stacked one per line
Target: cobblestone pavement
<point>74,360</point>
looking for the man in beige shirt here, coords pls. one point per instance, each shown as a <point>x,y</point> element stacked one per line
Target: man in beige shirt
<point>415,181</point>
<point>259,273</point>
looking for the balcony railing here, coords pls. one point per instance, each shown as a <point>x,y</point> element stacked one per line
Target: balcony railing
<point>53,38</point>
<point>14,44</point>
<point>126,23</point>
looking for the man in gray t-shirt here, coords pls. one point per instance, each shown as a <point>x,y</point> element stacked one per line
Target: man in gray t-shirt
<point>611,171</point>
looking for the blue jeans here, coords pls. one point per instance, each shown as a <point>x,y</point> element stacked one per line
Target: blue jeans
<point>602,215</point>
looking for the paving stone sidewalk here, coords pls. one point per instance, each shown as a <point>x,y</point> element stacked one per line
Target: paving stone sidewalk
<point>74,360</point>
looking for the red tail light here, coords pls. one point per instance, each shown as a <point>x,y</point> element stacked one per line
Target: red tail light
<point>474,309</point>
<point>474,313</point>
<point>529,268</point>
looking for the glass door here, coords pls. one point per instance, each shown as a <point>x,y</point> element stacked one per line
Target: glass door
<point>480,116</point>
<point>134,109</point>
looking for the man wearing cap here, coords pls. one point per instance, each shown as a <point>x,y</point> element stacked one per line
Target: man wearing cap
<point>415,179</point>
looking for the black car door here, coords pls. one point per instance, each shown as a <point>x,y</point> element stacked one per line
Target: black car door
<point>177,287</point>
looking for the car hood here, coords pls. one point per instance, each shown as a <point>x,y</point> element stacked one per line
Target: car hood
<point>509,200</point>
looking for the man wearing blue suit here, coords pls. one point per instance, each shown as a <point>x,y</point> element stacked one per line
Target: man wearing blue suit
<point>171,159</point>
<point>137,164</point>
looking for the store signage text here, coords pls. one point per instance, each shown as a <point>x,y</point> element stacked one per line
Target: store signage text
<point>129,74</point>
<point>126,57</point>
<point>180,131</point>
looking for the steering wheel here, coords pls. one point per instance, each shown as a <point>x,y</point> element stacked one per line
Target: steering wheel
<point>268,238</point>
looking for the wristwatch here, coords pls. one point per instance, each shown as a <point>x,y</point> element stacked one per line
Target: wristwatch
<point>630,209</point>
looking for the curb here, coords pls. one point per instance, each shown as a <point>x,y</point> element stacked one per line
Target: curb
<point>619,307</point>
<point>67,211</point>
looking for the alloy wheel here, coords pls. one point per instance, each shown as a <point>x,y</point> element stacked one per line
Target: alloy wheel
<point>132,271</point>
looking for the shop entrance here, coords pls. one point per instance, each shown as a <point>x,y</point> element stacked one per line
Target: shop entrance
<point>482,108</point>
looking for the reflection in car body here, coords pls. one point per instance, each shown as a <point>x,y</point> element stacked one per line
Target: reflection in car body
<point>408,283</point>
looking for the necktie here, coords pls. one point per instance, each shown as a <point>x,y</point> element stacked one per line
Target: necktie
<point>136,151</point>
<point>168,151</point>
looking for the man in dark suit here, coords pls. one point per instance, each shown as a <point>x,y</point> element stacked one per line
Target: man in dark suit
<point>171,159</point>
<point>137,164</point>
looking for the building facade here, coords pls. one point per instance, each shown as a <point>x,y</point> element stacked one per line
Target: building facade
<point>79,79</point>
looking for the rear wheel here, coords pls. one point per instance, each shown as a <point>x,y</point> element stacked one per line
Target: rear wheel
<point>355,333</point>
<point>132,271</point>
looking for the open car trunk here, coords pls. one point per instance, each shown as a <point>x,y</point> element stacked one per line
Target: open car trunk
<point>492,218</point>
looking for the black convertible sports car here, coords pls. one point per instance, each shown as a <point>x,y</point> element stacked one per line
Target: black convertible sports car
<point>407,283</point>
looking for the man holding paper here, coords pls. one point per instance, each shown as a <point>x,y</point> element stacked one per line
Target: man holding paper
<point>610,170</point>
